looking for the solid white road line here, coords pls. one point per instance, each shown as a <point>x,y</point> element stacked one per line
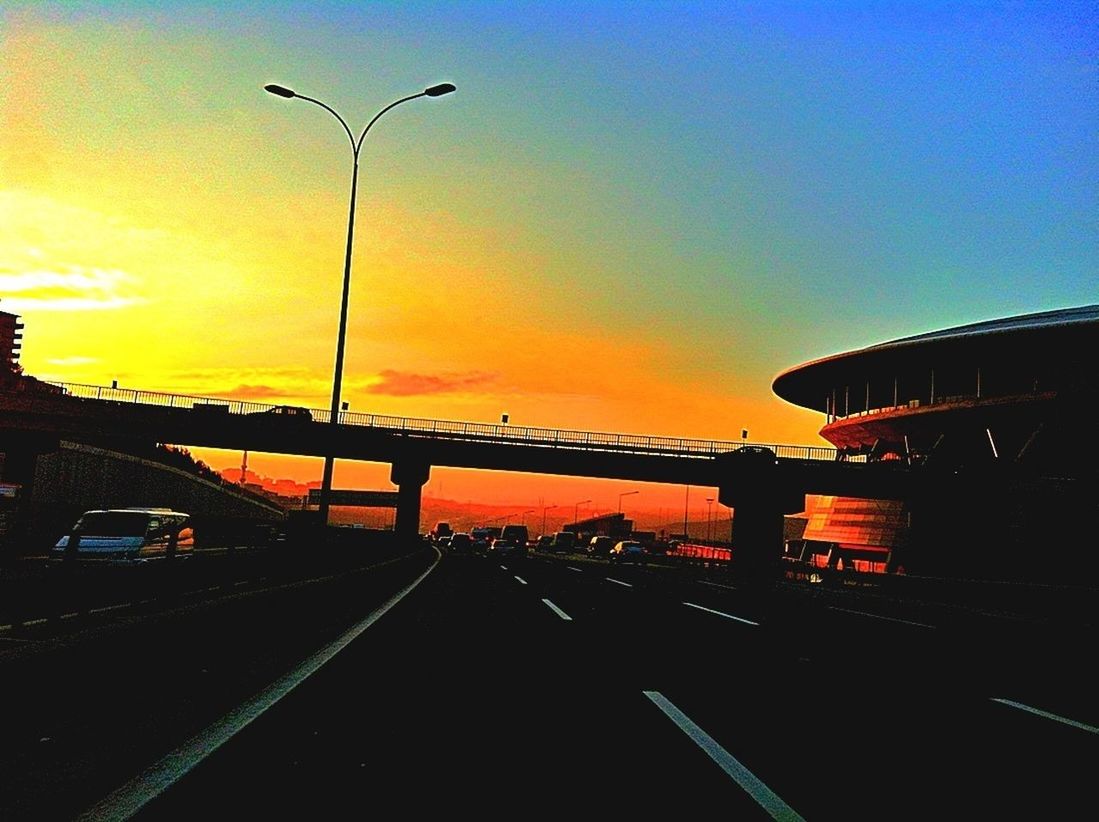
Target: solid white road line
<point>1046,714</point>
<point>521,580</point>
<point>879,616</point>
<point>578,570</point>
<point>751,784</point>
<point>557,610</point>
<point>126,801</point>
<point>717,584</point>
<point>721,613</point>
<point>620,582</point>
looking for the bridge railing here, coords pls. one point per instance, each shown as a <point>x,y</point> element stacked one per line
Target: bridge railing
<point>458,430</point>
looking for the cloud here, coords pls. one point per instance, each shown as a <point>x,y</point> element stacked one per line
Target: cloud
<point>253,392</point>
<point>72,361</point>
<point>68,288</point>
<point>398,384</point>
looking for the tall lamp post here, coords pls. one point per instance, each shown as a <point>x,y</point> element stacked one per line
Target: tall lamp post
<point>544,509</point>
<point>524,515</point>
<point>624,494</point>
<point>709,521</point>
<point>576,509</point>
<point>356,145</point>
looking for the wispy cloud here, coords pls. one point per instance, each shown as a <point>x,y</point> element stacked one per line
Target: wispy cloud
<point>71,361</point>
<point>399,384</point>
<point>68,288</point>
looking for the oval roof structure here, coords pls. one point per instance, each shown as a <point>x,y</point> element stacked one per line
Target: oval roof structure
<point>1071,332</point>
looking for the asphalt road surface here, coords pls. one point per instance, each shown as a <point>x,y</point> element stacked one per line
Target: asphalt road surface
<point>560,686</point>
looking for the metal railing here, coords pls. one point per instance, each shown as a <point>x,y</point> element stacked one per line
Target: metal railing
<point>468,431</point>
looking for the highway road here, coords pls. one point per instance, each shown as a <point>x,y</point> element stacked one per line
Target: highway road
<point>561,685</point>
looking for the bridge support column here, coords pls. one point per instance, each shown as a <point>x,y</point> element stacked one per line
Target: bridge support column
<point>409,475</point>
<point>752,487</point>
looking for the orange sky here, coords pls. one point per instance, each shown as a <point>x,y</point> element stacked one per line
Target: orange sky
<point>616,223</point>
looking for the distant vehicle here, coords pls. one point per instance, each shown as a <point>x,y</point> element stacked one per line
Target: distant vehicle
<point>628,551</point>
<point>600,546</point>
<point>441,529</point>
<point>461,543</point>
<point>287,412</point>
<point>516,533</point>
<point>126,537</point>
<point>564,542</point>
<point>545,542</point>
<point>444,542</point>
<point>507,549</point>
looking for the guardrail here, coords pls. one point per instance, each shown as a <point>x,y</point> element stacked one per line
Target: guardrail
<point>473,431</point>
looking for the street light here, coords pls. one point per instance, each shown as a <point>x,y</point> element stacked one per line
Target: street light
<point>356,145</point>
<point>576,509</point>
<point>624,494</point>
<point>544,509</point>
<point>709,532</point>
<point>524,515</point>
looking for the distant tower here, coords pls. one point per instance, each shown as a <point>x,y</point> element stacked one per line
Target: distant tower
<point>243,467</point>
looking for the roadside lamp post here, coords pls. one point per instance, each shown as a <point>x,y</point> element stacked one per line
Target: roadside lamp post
<point>544,509</point>
<point>524,515</point>
<point>356,145</point>
<point>576,509</point>
<point>624,494</point>
<point>709,521</point>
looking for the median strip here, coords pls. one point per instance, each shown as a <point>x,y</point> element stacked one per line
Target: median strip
<point>749,782</point>
<point>1047,715</point>
<point>721,614</point>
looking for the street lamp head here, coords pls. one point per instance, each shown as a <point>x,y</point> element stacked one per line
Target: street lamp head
<point>437,91</point>
<point>281,91</point>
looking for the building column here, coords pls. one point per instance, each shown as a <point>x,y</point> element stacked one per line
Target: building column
<point>409,475</point>
<point>752,487</point>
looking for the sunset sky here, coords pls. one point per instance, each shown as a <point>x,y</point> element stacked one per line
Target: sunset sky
<point>630,216</point>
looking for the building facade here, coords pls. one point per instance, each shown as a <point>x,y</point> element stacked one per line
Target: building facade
<point>1011,397</point>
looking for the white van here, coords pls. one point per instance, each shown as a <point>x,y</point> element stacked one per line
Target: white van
<point>126,537</point>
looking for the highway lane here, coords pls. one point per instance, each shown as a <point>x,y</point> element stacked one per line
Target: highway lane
<point>564,686</point>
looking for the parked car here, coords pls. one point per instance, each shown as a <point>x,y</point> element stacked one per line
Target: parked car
<point>125,537</point>
<point>628,551</point>
<point>600,546</point>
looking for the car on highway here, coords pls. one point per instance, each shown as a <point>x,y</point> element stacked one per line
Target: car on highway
<point>628,551</point>
<point>600,546</point>
<point>545,543</point>
<point>504,549</point>
<point>444,542</point>
<point>125,537</point>
<point>295,413</point>
<point>564,542</point>
<point>460,543</point>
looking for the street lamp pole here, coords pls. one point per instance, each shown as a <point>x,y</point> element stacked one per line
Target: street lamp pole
<point>624,494</point>
<point>576,509</point>
<point>709,507</point>
<point>544,509</point>
<point>524,515</point>
<point>356,145</point>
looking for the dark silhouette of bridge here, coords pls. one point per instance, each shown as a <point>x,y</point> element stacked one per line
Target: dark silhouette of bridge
<point>761,482</point>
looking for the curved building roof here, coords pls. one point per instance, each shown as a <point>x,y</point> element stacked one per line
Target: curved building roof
<point>1067,334</point>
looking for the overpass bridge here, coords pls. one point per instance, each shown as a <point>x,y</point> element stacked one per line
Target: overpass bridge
<point>762,482</point>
